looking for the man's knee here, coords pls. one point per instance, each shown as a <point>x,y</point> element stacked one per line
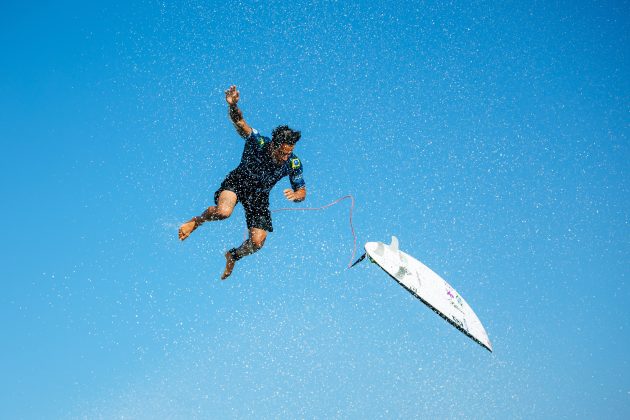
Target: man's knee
<point>258,242</point>
<point>222,213</point>
<point>258,239</point>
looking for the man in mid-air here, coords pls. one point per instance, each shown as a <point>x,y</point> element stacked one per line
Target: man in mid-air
<point>263,163</point>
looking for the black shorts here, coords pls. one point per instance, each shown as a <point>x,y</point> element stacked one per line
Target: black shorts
<point>255,202</point>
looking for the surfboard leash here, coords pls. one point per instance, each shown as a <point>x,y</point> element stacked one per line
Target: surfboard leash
<point>340,199</point>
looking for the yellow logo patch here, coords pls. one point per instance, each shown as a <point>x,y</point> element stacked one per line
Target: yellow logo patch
<point>295,163</point>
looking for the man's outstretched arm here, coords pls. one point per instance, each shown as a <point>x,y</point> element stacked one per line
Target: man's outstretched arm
<point>236,115</point>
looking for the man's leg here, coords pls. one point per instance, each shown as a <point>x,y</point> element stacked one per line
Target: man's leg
<point>252,244</point>
<point>225,205</point>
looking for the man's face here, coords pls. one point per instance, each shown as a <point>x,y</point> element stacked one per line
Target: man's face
<point>281,154</point>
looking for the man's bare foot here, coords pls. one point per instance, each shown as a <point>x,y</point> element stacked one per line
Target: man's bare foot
<point>229,265</point>
<point>187,228</point>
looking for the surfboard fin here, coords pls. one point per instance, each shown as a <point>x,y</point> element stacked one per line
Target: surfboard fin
<point>394,245</point>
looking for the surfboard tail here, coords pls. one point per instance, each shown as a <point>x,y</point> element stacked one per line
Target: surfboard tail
<point>361,258</point>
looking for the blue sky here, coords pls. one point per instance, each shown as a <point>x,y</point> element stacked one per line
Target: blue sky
<point>491,138</point>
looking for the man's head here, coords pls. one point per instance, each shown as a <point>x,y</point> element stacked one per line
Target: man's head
<point>284,135</point>
<point>283,141</point>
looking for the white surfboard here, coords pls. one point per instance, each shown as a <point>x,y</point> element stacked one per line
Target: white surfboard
<point>430,288</point>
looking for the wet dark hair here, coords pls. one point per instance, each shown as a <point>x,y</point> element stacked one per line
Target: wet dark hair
<point>284,135</point>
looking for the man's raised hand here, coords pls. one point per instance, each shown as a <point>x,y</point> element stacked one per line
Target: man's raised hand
<point>232,95</point>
